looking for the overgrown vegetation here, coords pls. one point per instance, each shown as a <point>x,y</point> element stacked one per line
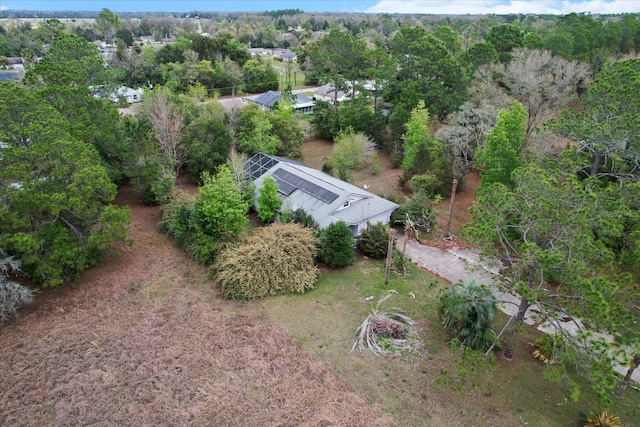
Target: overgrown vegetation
<point>271,260</point>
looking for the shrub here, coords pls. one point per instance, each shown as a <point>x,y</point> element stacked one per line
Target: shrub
<point>268,200</point>
<point>336,245</point>
<point>12,295</point>
<point>548,348</point>
<point>468,310</point>
<point>399,262</point>
<point>420,208</point>
<point>300,216</point>
<point>426,183</point>
<point>272,260</point>
<point>176,218</point>
<point>374,241</point>
<point>603,419</point>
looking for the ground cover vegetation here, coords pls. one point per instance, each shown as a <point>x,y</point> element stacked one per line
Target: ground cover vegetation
<point>545,108</point>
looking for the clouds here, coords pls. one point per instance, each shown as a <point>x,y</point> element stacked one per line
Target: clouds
<point>463,7</point>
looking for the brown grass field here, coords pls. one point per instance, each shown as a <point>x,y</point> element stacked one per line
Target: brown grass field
<point>146,339</point>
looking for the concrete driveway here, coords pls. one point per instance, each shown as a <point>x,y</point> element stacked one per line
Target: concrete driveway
<point>463,265</point>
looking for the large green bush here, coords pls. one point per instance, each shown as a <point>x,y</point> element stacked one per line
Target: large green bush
<point>336,245</point>
<point>374,241</point>
<point>272,260</point>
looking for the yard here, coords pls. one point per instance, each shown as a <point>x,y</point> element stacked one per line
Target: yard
<point>146,339</point>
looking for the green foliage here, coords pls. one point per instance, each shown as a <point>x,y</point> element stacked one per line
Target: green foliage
<point>605,126</point>
<point>219,210</point>
<point>427,184</point>
<point>12,295</point>
<point>417,133</point>
<point>272,260</point>
<point>268,201</point>
<point>501,153</point>
<point>545,228</point>
<point>505,38</point>
<point>373,241</point>
<point>259,77</point>
<point>349,152</point>
<point>423,154</point>
<point>325,120</point>
<point>300,216</point>
<point>71,61</point>
<point>468,311</point>
<point>471,368</point>
<point>206,145</point>
<point>59,223</point>
<point>419,54</point>
<point>420,209</point>
<point>336,245</point>
<point>548,348</point>
<point>176,218</point>
<point>400,263</point>
<point>480,54</point>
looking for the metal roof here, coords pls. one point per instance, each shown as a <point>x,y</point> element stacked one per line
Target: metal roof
<point>326,198</point>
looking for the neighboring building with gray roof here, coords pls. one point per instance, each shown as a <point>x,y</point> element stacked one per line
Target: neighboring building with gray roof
<point>326,198</point>
<point>268,100</point>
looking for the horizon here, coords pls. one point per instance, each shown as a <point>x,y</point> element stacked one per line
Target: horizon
<point>431,7</point>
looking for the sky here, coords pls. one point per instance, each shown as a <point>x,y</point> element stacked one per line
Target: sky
<point>459,7</point>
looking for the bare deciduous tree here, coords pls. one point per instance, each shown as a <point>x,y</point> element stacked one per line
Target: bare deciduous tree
<point>167,125</point>
<point>543,83</point>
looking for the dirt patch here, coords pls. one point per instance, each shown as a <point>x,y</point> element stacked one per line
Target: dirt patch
<point>384,183</point>
<point>145,339</point>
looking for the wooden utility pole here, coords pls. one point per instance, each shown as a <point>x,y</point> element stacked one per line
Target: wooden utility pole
<point>406,240</point>
<point>453,197</point>
<point>392,234</point>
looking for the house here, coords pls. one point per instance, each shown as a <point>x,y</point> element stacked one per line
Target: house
<point>268,100</point>
<point>289,57</point>
<point>131,96</point>
<point>16,63</point>
<point>259,51</point>
<point>326,198</point>
<point>327,93</point>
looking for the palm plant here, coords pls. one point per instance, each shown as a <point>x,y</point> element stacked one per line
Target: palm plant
<point>468,310</point>
<point>603,419</point>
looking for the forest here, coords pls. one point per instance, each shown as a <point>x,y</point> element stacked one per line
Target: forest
<point>545,108</point>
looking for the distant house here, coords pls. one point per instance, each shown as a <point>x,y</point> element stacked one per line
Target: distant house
<point>289,57</point>
<point>327,93</point>
<point>259,51</point>
<point>131,96</point>
<point>147,39</point>
<point>16,63</point>
<point>268,100</point>
<point>326,198</point>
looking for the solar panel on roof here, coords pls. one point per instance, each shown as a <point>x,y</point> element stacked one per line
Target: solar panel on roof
<point>284,187</point>
<point>304,185</point>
